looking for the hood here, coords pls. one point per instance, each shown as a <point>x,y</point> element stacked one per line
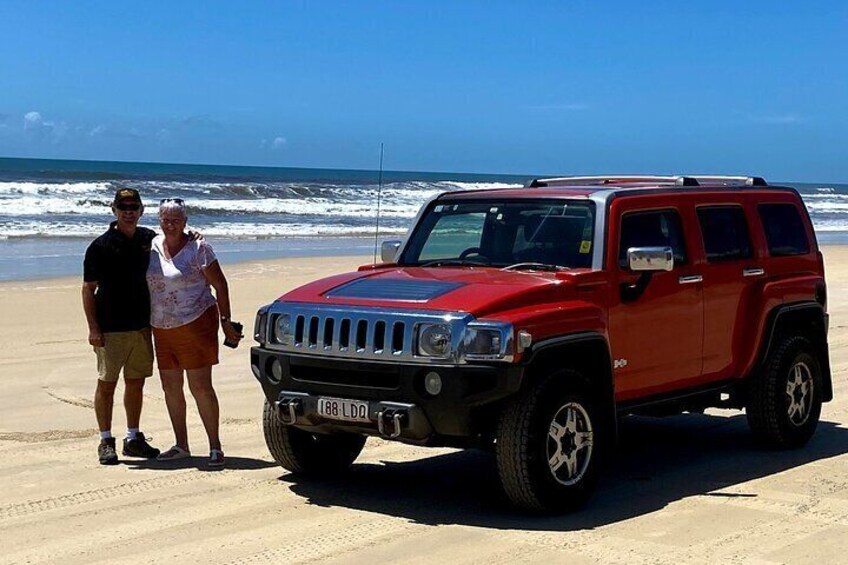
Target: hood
<point>479,291</point>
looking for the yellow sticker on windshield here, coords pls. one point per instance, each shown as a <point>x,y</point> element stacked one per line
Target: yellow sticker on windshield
<point>585,246</point>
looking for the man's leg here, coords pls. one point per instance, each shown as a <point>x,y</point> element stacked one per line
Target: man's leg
<point>200,384</point>
<point>104,398</point>
<point>139,366</point>
<point>133,400</point>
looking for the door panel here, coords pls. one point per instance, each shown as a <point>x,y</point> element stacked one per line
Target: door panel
<point>731,273</point>
<point>657,338</point>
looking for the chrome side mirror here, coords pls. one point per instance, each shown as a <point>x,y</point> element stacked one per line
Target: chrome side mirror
<point>388,250</point>
<point>650,258</point>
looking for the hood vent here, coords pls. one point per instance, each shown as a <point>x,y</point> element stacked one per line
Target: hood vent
<point>401,290</point>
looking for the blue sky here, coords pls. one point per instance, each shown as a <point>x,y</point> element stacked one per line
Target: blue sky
<point>493,87</point>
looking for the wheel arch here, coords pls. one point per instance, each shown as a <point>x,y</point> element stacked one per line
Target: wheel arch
<point>803,318</point>
<point>587,353</point>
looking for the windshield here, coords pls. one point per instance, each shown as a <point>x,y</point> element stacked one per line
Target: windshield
<point>554,233</point>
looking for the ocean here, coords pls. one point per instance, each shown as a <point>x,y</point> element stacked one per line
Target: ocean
<point>51,209</point>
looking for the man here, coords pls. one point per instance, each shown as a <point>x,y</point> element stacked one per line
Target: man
<point>117,308</point>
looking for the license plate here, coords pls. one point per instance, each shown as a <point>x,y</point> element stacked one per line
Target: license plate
<point>343,409</point>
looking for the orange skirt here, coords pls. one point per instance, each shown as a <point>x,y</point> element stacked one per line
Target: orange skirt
<point>192,346</point>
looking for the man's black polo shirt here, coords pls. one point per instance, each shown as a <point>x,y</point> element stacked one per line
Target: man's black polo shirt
<point>119,266</point>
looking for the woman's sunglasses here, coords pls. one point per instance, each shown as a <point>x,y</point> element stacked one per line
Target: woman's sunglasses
<point>177,201</point>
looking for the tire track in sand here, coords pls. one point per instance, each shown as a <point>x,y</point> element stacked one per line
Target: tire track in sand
<point>96,495</point>
<point>336,543</point>
<point>49,435</point>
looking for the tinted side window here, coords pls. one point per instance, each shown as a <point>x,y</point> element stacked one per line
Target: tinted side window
<point>725,233</point>
<point>785,232</point>
<point>652,229</point>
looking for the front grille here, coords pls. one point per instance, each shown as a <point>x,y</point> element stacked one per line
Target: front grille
<point>337,331</point>
<point>332,334</point>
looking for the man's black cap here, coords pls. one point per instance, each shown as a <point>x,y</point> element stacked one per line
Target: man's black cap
<point>127,194</point>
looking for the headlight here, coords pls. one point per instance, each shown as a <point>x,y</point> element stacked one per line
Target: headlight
<point>283,329</point>
<point>434,340</point>
<point>260,326</point>
<point>483,341</point>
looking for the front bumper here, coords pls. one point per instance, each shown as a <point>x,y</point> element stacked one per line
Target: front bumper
<point>465,407</point>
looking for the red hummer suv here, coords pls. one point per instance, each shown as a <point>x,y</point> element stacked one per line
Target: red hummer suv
<point>532,319</point>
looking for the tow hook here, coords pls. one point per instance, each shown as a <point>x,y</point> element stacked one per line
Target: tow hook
<point>287,409</point>
<point>390,422</point>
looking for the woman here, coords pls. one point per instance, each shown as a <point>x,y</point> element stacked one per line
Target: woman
<point>184,317</point>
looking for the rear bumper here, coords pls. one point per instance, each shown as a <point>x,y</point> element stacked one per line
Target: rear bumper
<point>465,407</point>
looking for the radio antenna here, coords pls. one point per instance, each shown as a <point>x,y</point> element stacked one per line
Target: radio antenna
<point>379,198</point>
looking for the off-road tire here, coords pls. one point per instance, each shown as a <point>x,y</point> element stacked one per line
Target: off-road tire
<point>768,408</point>
<point>523,443</point>
<point>307,453</point>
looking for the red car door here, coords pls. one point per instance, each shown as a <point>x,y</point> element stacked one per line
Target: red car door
<point>733,278</point>
<point>656,337</point>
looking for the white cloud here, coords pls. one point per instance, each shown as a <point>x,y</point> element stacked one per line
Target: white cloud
<point>37,128</point>
<point>279,142</point>
<point>34,121</point>
<point>97,130</point>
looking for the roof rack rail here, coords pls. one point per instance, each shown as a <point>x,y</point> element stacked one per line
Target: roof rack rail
<point>676,180</point>
<point>730,180</point>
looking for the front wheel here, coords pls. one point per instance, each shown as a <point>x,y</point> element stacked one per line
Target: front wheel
<point>785,396</point>
<point>306,453</point>
<point>548,445</point>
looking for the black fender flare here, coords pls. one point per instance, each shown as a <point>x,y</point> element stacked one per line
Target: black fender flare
<point>779,317</point>
<point>597,344</point>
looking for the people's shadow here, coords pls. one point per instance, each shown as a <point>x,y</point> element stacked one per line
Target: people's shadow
<point>657,461</point>
<point>199,462</point>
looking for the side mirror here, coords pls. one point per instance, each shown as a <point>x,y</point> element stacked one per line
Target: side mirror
<point>388,250</point>
<point>650,258</point>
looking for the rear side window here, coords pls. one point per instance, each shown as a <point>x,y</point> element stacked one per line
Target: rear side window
<point>725,233</point>
<point>660,228</point>
<point>785,233</point>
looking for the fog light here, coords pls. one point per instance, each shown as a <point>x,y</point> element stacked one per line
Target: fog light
<point>277,370</point>
<point>433,383</point>
<point>256,371</point>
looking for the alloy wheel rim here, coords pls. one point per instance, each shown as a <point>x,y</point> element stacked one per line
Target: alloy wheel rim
<point>570,444</point>
<point>799,392</point>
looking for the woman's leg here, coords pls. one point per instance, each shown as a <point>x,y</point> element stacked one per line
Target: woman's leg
<point>200,384</point>
<point>172,385</point>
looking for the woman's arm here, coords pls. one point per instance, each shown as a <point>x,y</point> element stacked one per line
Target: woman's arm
<point>216,279</point>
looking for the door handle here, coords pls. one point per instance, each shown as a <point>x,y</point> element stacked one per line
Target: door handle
<point>757,272</point>
<point>691,279</point>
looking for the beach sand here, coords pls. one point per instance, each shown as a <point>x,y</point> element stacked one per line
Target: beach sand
<point>687,489</point>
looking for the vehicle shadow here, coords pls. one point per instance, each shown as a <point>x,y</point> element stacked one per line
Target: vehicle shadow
<point>658,461</point>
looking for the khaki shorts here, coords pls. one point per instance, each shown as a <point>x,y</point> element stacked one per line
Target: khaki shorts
<point>130,351</point>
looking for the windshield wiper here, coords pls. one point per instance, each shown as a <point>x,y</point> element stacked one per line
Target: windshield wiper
<point>452,262</point>
<point>534,267</point>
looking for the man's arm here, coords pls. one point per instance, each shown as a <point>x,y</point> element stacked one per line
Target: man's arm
<point>95,336</point>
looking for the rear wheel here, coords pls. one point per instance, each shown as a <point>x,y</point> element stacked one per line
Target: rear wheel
<point>308,453</point>
<point>548,445</point>
<point>785,397</point>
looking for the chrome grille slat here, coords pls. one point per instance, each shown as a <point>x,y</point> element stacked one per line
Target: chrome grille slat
<point>344,344</point>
